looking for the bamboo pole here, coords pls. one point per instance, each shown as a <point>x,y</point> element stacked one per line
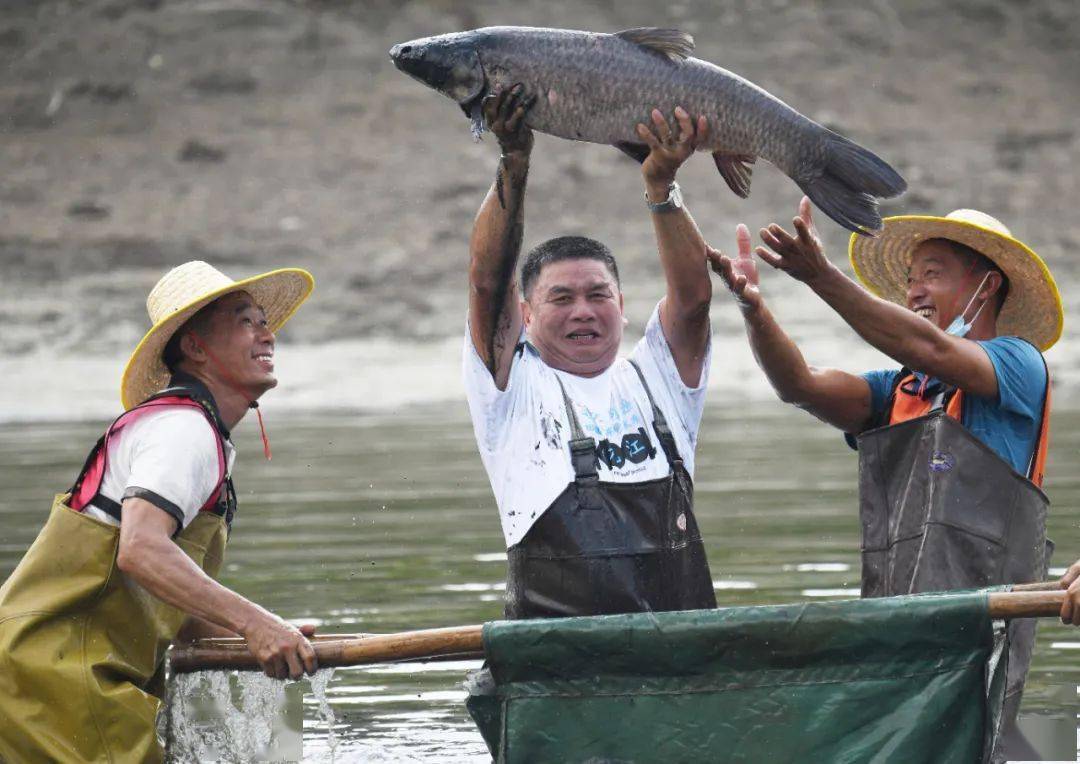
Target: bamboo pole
<point>239,643</point>
<point>1041,586</point>
<point>429,644</point>
<point>1026,604</point>
<point>1032,601</point>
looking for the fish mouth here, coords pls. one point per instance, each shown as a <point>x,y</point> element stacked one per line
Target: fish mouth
<point>409,58</point>
<point>448,64</point>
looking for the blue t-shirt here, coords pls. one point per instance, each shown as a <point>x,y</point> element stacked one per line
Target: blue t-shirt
<point>1008,424</point>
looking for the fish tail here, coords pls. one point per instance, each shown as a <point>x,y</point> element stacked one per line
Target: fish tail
<point>851,181</point>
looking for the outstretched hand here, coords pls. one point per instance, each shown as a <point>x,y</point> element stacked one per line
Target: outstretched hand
<point>800,256</point>
<point>504,113</point>
<point>741,274</point>
<point>668,149</point>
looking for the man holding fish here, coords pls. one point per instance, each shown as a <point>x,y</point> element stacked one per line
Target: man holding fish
<point>952,445</point>
<point>590,455</point>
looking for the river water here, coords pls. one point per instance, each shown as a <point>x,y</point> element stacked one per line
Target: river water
<point>385,522</point>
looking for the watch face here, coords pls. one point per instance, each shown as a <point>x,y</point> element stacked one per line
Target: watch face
<point>673,201</point>
<point>675,197</point>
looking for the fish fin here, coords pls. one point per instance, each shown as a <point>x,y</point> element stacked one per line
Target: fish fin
<point>862,168</point>
<point>672,43</point>
<point>636,151</point>
<point>736,171</point>
<point>849,183</point>
<point>475,113</point>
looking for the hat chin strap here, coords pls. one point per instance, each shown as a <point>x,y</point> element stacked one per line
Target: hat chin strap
<point>232,382</point>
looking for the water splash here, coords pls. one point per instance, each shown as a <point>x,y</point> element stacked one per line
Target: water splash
<point>240,717</point>
<point>319,683</point>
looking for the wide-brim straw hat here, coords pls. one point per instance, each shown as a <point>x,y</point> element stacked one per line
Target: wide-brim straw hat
<point>181,293</point>
<point>1032,309</point>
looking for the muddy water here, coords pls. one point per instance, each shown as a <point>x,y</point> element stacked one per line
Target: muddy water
<point>385,522</point>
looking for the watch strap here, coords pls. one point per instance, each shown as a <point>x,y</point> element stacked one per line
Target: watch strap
<point>671,203</point>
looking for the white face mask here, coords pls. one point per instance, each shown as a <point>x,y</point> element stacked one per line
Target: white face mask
<point>960,329</point>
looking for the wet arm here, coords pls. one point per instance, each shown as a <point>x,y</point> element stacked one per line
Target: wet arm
<point>494,304</point>
<point>494,248</point>
<point>684,312</point>
<point>833,396</point>
<point>196,628</point>
<point>836,397</point>
<point>907,337</point>
<point>148,554</point>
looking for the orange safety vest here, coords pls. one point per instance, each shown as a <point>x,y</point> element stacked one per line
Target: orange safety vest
<point>911,405</point>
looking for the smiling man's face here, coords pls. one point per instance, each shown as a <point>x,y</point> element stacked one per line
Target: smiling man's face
<point>574,316</point>
<point>940,282</point>
<point>241,341</point>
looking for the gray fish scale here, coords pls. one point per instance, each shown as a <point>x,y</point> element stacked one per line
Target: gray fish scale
<point>596,88</point>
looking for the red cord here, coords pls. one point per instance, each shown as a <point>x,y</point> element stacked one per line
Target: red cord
<point>262,432</point>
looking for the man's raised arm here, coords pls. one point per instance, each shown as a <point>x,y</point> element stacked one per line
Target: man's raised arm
<point>833,396</point>
<point>897,332</point>
<point>684,313</point>
<point>494,308</point>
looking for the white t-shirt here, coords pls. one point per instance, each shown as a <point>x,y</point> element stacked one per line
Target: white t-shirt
<point>523,431</point>
<point>170,452</point>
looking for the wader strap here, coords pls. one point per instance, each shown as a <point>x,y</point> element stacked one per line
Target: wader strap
<point>663,432</point>
<point>106,505</point>
<point>582,447</point>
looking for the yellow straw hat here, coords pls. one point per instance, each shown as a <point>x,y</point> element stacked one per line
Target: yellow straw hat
<point>1032,309</point>
<point>181,293</point>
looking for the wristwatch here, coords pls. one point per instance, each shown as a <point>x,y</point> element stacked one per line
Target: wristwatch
<point>672,203</point>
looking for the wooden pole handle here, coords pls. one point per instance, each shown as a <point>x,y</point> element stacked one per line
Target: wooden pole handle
<point>429,644</point>
<point>1040,586</point>
<point>1029,601</point>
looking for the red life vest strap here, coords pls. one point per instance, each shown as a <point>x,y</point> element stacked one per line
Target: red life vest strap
<point>88,485</point>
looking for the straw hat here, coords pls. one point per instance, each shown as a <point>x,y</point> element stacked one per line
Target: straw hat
<point>1032,309</point>
<point>181,293</point>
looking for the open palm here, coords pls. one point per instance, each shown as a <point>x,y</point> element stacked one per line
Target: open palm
<point>741,273</point>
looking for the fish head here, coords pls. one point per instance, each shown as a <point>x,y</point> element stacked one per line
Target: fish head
<point>448,63</point>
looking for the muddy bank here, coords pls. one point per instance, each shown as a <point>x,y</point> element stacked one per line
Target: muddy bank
<point>135,134</point>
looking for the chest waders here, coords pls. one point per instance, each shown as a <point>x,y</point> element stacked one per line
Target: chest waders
<point>82,646</point>
<point>612,547</point>
<point>602,548</point>
<point>941,510</point>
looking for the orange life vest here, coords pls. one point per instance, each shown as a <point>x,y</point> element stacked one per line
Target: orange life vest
<point>911,405</point>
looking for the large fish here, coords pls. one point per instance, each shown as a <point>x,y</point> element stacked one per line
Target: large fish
<point>598,87</point>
